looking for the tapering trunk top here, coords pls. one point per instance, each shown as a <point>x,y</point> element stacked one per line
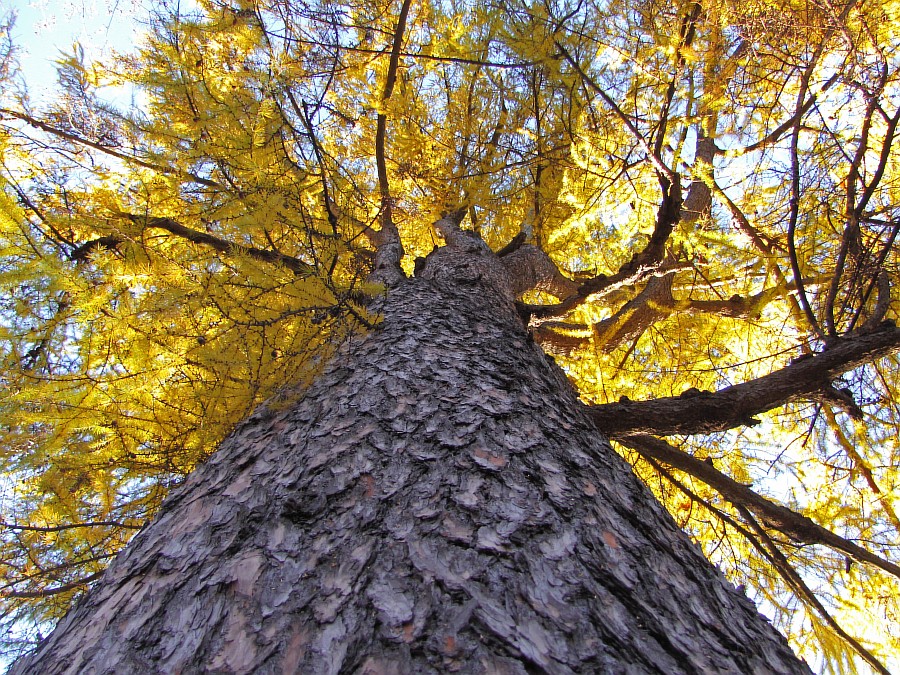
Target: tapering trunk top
<point>436,502</point>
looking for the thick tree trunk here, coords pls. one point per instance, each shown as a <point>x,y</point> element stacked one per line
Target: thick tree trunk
<point>438,501</point>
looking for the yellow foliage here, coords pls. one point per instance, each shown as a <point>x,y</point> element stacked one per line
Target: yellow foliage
<point>167,268</point>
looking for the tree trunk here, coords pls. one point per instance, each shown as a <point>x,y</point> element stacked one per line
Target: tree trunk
<point>436,502</point>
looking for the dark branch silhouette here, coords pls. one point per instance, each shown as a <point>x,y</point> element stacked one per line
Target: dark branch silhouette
<point>111,241</point>
<point>790,523</point>
<point>704,412</point>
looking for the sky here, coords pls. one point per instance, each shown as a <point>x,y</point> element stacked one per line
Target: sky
<point>45,29</point>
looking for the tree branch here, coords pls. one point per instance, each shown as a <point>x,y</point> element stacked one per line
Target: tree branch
<point>768,548</point>
<point>196,237</point>
<point>795,200</point>
<point>704,412</point>
<point>514,245</point>
<point>762,542</point>
<point>884,497</point>
<point>389,248</point>
<point>662,170</point>
<point>790,523</point>
<point>651,305</point>
<point>643,264</point>
<point>74,138</point>
<point>773,137</point>
<point>81,252</point>
<point>70,526</point>
<point>45,592</point>
<point>629,323</point>
<point>531,268</point>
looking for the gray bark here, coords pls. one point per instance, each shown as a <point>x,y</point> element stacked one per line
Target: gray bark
<point>438,501</point>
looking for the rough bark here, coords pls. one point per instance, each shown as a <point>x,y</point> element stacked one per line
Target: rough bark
<point>437,501</point>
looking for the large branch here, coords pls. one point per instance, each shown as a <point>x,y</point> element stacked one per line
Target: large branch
<point>698,201</point>
<point>759,538</point>
<point>651,305</point>
<point>646,263</point>
<point>530,268</point>
<point>632,320</point>
<point>196,237</point>
<point>788,522</point>
<point>629,322</point>
<point>389,248</point>
<point>703,413</point>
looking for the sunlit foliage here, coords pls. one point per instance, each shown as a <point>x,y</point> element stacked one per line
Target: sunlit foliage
<point>169,264</point>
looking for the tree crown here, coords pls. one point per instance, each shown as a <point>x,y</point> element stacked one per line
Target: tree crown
<point>710,189</point>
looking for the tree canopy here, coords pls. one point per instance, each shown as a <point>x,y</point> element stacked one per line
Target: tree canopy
<point>716,183</point>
